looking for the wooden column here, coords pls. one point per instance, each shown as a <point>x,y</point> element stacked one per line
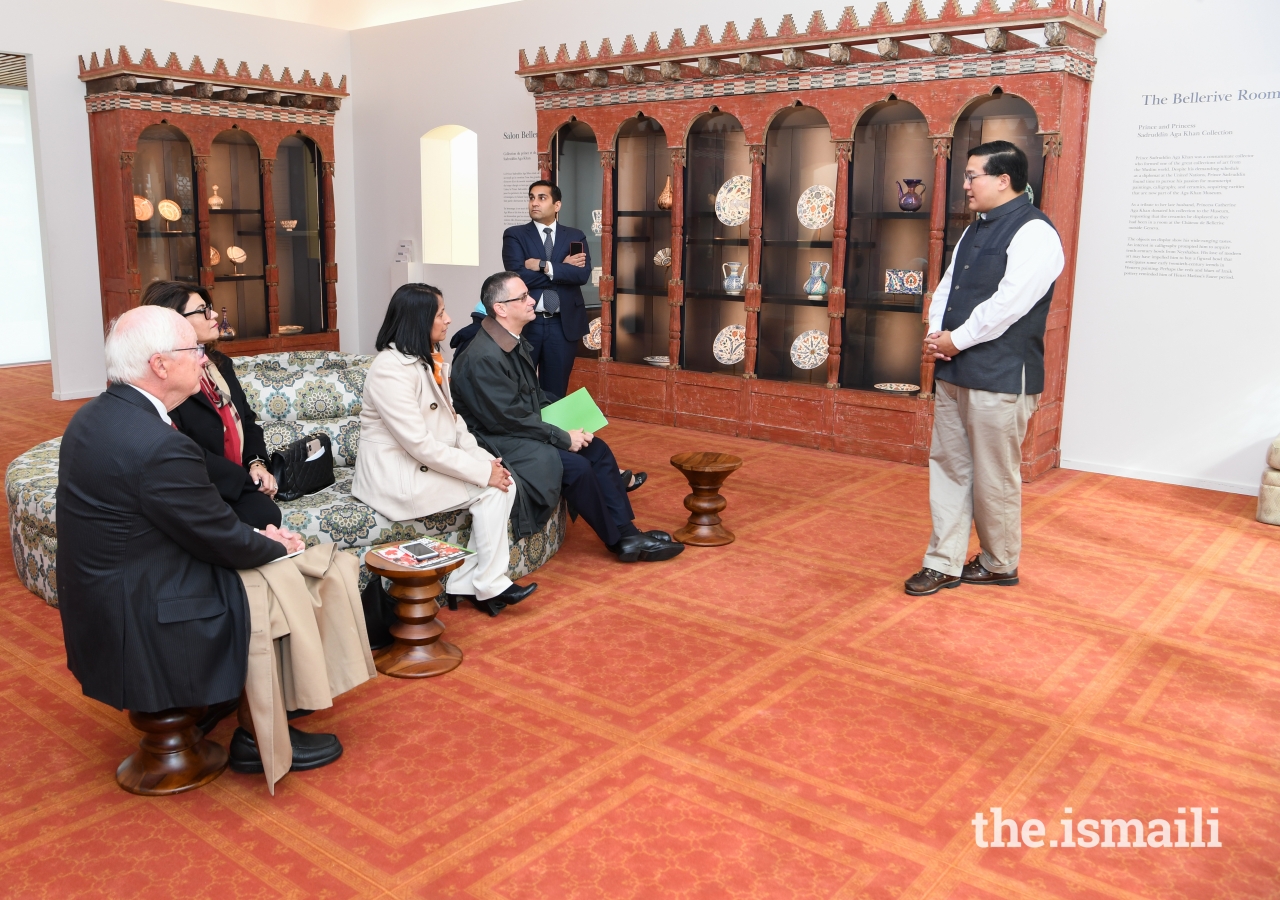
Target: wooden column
<point>937,243</point>
<point>329,227</point>
<point>836,296</point>
<point>202,220</point>
<point>675,284</point>
<point>607,159</point>
<point>752,300</point>
<point>270,271</point>
<point>133,281</point>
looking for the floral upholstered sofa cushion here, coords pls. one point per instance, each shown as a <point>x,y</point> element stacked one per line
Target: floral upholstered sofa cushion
<point>295,394</point>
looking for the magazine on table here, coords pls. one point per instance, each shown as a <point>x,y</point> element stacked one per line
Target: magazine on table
<point>424,553</point>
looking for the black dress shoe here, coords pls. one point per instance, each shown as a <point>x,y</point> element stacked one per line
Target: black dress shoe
<point>660,536</point>
<point>492,606</point>
<point>216,713</point>
<point>633,481</point>
<point>645,548</point>
<point>310,751</point>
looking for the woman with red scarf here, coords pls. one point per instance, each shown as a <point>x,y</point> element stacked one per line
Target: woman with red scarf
<point>218,417</point>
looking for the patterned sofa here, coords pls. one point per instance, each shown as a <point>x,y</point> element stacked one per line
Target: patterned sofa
<point>295,394</point>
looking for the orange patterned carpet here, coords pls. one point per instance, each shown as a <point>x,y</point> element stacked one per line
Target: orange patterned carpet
<point>774,719</point>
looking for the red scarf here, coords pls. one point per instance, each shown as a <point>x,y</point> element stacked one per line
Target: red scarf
<point>227,412</point>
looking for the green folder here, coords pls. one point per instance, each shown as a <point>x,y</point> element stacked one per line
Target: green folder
<point>577,410</point>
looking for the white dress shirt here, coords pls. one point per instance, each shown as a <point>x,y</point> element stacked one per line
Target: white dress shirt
<point>1034,260</point>
<point>542,236</point>
<point>155,401</point>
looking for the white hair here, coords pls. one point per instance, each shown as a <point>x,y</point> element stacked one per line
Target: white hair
<point>139,334</point>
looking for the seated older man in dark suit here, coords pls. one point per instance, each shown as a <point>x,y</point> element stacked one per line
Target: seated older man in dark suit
<point>496,391</point>
<point>154,615</point>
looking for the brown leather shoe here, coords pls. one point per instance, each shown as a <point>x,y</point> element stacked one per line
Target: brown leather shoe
<point>975,572</point>
<point>929,581</point>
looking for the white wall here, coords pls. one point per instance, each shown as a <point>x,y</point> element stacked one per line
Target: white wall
<point>24,328</point>
<point>1172,378</point>
<point>55,34</point>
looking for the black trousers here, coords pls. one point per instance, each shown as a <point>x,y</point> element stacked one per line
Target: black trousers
<point>553,354</point>
<point>595,491</point>
<point>256,509</point>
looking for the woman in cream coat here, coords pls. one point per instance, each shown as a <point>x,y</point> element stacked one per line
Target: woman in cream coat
<point>416,456</point>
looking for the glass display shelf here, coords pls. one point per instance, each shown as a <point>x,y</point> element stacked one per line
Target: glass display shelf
<point>575,169</point>
<point>295,197</point>
<point>163,170</point>
<point>235,167</point>
<point>642,315</point>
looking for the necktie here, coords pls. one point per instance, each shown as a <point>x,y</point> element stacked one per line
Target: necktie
<point>550,302</point>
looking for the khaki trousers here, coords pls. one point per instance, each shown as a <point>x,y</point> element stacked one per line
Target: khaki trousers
<point>307,644</point>
<point>975,476</point>
<point>484,574</point>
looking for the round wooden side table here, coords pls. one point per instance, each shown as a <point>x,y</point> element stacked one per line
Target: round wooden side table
<point>173,755</point>
<point>418,651</point>
<point>706,473</point>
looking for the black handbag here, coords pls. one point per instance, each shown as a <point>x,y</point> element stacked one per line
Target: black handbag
<point>304,467</point>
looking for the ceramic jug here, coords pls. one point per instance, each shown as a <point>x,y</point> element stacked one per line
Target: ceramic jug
<point>732,278</point>
<point>666,197</point>
<point>816,286</point>
<point>597,223</point>
<point>909,200</point>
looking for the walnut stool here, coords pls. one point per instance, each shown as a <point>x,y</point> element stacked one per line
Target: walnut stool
<point>706,473</point>
<point>418,651</point>
<point>173,756</point>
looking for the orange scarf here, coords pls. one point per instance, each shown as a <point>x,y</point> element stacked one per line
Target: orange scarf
<point>438,369</point>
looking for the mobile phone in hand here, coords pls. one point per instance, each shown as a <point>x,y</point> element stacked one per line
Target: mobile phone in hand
<point>575,247</point>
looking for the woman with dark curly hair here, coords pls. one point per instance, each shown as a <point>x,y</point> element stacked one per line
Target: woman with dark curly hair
<point>218,417</point>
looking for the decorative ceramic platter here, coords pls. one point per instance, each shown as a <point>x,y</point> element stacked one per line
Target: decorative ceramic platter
<point>730,345</point>
<point>214,256</point>
<point>809,350</point>
<point>169,210</point>
<point>290,329</point>
<point>897,387</point>
<point>903,281</point>
<point>236,255</point>
<point>817,207</point>
<point>662,361</point>
<point>662,257</point>
<point>142,208</point>
<point>733,201</point>
<point>591,340</point>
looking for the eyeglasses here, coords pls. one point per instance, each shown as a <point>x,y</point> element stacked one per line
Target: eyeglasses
<point>523,297</point>
<point>206,311</point>
<point>199,348</point>
<point>968,179</point>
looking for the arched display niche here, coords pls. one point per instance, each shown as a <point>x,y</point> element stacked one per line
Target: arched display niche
<point>799,157</point>
<point>164,173</point>
<point>996,117</point>
<point>887,246</point>
<point>642,314</point>
<point>575,169</point>
<point>715,152</point>
<point>239,288</point>
<point>299,248</point>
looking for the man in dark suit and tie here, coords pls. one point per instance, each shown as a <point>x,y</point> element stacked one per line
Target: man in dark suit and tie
<point>539,253</point>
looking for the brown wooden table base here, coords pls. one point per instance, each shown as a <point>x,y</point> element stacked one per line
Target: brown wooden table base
<point>418,651</point>
<point>706,473</point>
<point>172,757</point>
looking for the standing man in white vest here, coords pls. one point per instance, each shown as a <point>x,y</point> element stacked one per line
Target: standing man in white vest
<point>986,334</point>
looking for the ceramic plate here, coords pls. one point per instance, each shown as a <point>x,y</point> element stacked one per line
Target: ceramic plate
<point>290,329</point>
<point>236,255</point>
<point>142,208</point>
<point>733,201</point>
<point>214,256</point>
<point>591,340</point>
<point>897,387</point>
<point>817,207</point>
<point>662,257</point>
<point>662,361</point>
<point>809,350</point>
<point>730,345</point>
<point>903,281</point>
<point>169,210</point>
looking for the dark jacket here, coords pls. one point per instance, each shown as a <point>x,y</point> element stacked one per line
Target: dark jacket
<point>198,420</point>
<point>464,336</point>
<point>153,613</point>
<point>521,242</point>
<point>977,268</point>
<point>495,390</point>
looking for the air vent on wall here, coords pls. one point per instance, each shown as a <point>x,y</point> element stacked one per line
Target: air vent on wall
<point>13,70</point>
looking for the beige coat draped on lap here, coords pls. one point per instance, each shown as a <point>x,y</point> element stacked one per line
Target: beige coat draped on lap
<point>415,452</point>
<point>307,643</point>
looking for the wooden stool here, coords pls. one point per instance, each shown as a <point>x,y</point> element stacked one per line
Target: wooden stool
<point>173,756</point>
<point>706,473</point>
<point>418,651</point>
